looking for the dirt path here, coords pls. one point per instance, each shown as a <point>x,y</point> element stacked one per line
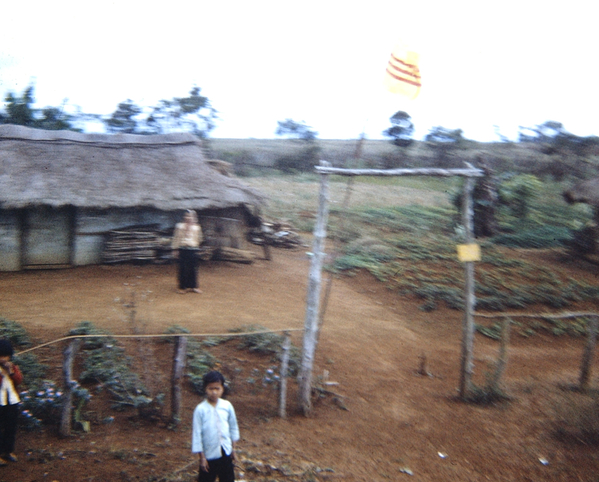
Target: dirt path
<point>371,341</point>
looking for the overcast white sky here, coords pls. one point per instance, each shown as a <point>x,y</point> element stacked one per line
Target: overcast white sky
<point>483,63</point>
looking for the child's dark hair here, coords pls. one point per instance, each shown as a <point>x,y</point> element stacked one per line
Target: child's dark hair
<point>213,377</point>
<point>5,347</point>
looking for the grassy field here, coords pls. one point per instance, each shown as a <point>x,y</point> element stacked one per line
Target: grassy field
<point>256,156</point>
<point>404,231</point>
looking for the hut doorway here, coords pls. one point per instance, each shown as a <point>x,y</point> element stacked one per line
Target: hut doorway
<point>47,237</point>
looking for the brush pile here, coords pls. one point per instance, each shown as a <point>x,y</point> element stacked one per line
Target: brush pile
<point>277,234</point>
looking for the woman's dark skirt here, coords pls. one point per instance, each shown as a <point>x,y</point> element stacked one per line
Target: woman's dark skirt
<point>188,268</point>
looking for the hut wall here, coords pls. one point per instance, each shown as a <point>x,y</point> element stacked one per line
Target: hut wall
<point>43,236</point>
<point>224,227</point>
<point>46,236</point>
<point>10,241</point>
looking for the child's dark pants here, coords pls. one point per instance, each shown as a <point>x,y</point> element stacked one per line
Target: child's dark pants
<point>223,468</point>
<point>8,428</point>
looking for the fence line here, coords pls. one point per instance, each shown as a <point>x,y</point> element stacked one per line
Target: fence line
<point>589,349</point>
<point>163,335</point>
<point>567,314</point>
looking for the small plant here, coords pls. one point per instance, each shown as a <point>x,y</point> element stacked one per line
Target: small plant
<point>106,363</point>
<point>40,404</point>
<point>199,363</point>
<point>13,331</point>
<point>486,395</point>
<point>33,371</point>
<point>174,330</point>
<point>268,344</point>
<point>518,193</point>
<point>88,328</point>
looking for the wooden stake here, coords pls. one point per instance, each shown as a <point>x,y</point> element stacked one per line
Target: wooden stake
<point>329,284</point>
<point>502,358</point>
<point>69,383</point>
<point>422,366</point>
<point>313,296</point>
<point>284,368</point>
<point>179,357</point>
<point>588,354</point>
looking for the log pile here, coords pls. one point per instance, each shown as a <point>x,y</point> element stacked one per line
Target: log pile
<point>236,255</point>
<point>134,243</point>
<point>277,234</point>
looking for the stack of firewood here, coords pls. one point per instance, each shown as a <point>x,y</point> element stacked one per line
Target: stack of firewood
<point>135,243</point>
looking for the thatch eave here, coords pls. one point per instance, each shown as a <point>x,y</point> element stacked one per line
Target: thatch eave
<point>60,168</point>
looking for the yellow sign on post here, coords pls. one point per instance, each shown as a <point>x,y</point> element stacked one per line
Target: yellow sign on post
<point>468,252</point>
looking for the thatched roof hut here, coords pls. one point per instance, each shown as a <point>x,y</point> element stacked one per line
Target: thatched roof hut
<point>60,168</point>
<point>62,193</point>
<point>584,192</point>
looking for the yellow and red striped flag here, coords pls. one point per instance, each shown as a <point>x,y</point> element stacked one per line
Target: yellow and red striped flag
<point>403,75</point>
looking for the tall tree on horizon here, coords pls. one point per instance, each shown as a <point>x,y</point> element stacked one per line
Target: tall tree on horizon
<point>21,111</point>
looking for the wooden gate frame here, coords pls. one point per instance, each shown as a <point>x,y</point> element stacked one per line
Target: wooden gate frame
<point>311,322</point>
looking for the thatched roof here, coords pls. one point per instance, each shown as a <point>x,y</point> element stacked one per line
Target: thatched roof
<point>584,192</point>
<point>59,168</point>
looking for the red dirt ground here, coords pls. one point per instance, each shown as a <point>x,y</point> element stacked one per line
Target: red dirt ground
<point>395,420</point>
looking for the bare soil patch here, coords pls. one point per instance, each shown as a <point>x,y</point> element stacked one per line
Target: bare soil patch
<point>393,420</point>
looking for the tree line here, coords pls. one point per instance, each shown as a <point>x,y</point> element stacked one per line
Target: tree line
<point>568,153</point>
<point>193,113</point>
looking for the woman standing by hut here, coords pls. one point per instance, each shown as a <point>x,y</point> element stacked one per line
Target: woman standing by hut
<point>186,242</point>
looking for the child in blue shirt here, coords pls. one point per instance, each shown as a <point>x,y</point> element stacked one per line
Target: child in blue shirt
<point>215,432</point>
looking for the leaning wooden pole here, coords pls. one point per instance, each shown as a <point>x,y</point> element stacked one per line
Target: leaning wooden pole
<point>467,366</point>
<point>589,353</point>
<point>329,283</point>
<point>69,384</point>
<point>179,356</point>
<point>313,296</point>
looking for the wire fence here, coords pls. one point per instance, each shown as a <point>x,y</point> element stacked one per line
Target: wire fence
<point>161,335</point>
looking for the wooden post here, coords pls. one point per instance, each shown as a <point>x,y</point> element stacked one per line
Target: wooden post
<point>284,368</point>
<point>67,371</point>
<point>329,284</point>
<point>589,352</point>
<point>467,366</point>
<point>179,356</point>
<point>313,296</point>
<point>266,251</point>
<point>502,358</point>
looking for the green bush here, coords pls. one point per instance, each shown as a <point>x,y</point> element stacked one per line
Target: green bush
<point>13,331</point>
<point>301,161</point>
<point>518,193</point>
<point>268,344</point>
<point>105,363</point>
<point>34,372</point>
<point>88,328</point>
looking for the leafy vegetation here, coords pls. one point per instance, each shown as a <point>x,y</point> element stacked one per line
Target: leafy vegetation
<point>268,344</point>
<point>105,363</point>
<point>404,232</point>
<point>14,332</point>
